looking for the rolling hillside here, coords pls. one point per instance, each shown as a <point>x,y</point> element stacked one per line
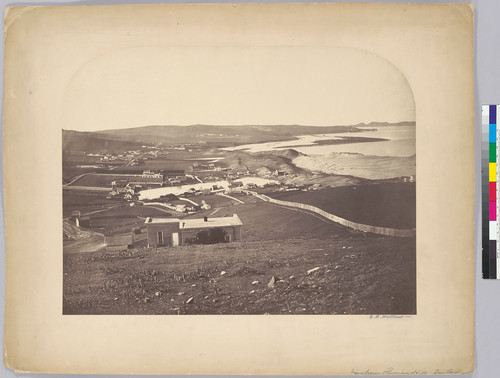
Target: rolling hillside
<point>88,142</point>
<point>215,136</point>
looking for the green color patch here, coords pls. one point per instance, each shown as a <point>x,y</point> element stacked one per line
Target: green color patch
<point>493,152</point>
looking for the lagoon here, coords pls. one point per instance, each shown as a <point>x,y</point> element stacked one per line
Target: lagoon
<point>400,143</point>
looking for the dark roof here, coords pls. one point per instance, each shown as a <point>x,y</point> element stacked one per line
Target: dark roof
<point>119,240</point>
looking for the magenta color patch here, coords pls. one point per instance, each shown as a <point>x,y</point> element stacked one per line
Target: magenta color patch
<point>493,211</point>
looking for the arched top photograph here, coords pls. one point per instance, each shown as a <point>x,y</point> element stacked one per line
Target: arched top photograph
<point>267,174</point>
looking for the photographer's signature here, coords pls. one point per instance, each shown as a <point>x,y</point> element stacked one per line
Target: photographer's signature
<point>389,316</point>
<point>392,371</point>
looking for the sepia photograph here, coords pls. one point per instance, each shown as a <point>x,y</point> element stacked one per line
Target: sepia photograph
<point>297,177</point>
<point>239,180</point>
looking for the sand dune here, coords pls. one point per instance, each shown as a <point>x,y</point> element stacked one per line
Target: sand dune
<point>369,167</point>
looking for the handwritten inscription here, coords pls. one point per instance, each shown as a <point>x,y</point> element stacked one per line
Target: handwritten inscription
<point>389,316</point>
<point>392,371</point>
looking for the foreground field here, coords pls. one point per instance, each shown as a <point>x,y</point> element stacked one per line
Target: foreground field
<point>354,275</point>
<point>349,272</point>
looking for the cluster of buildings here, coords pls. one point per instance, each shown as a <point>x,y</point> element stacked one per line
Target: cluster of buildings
<point>227,173</point>
<point>126,155</point>
<point>123,189</point>
<point>129,187</point>
<point>178,180</point>
<point>105,156</point>
<point>201,167</point>
<point>183,207</point>
<point>148,174</point>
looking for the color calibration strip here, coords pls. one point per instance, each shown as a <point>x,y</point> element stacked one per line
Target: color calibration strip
<point>489,157</point>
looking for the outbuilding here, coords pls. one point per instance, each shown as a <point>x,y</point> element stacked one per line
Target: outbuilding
<point>174,232</point>
<point>75,214</point>
<point>83,222</point>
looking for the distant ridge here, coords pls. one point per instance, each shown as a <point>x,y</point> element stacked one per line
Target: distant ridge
<point>211,135</point>
<point>78,141</point>
<point>258,127</point>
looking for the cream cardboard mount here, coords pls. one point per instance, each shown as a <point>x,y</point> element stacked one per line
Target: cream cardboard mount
<point>47,47</point>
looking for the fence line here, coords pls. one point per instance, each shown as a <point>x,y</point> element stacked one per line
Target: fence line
<point>404,233</point>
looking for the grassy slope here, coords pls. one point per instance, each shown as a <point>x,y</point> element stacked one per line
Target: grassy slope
<point>356,276</point>
<point>84,202</point>
<point>260,163</point>
<point>94,142</point>
<point>107,216</point>
<point>358,273</point>
<point>264,221</point>
<point>383,204</point>
<point>99,180</point>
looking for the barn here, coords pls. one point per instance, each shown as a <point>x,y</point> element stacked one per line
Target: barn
<point>173,232</point>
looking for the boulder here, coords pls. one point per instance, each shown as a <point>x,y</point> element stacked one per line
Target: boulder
<point>313,270</point>
<point>273,281</point>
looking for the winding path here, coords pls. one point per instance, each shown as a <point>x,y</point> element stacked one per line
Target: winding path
<point>225,195</point>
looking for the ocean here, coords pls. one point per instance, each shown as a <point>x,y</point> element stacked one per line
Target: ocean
<point>394,157</point>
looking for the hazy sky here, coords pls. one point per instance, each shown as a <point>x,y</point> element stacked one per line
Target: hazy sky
<point>233,86</point>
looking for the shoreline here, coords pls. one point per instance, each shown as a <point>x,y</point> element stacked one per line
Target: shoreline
<point>343,140</point>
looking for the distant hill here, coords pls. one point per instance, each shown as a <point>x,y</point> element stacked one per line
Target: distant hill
<point>94,142</point>
<point>288,153</point>
<point>381,124</point>
<point>212,135</point>
<point>223,135</point>
<point>262,163</point>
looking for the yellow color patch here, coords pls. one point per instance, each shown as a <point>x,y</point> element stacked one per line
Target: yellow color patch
<point>493,172</point>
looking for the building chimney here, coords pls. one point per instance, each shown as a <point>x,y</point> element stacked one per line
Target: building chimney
<point>205,219</point>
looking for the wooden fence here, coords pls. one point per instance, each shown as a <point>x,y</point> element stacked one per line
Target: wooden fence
<point>404,233</point>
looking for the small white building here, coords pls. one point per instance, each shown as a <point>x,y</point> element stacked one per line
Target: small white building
<point>151,174</point>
